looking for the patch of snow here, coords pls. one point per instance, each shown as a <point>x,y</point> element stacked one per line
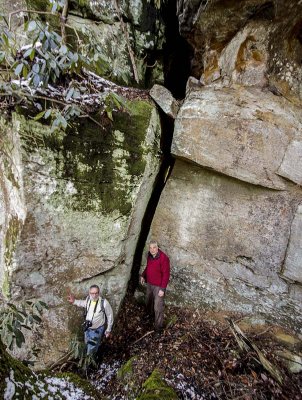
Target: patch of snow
<point>10,387</point>
<point>44,388</point>
<point>104,375</point>
<point>188,390</point>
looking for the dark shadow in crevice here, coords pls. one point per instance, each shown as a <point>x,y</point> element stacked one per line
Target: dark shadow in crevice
<point>177,53</point>
<point>167,125</point>
<point>177,56</point>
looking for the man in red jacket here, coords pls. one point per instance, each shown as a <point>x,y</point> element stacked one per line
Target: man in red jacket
<point>156,275</point>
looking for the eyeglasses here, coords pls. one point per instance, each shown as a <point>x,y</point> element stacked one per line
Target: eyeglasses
<point>93,292</point>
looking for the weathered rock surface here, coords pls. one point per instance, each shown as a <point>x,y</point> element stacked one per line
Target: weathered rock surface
<point>227,241</point>
<point>293,263</point>
<point>165,100</point>
<point>292,361</point>
<point>12,207</point>
<point>113,30</point>
<point>235,243</point>
<point>85,193</point>
<point>246,133</point>
<point>230,214</point>
<point>251,43</point>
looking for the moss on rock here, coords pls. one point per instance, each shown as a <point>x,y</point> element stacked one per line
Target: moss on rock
<point>38,5</point>
<point>10,242</point>
<point>155,388</point>
<point>80,383</point>
<point>11,237</point>
<point>8,364</point>
<point>102,166</point>
<point>18,381</point>
<point>6,284</point>
<point>126,370</point>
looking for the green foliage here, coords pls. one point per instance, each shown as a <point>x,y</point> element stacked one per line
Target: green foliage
<point>13,321</point>
<point>113,102</point>
<point>77,351</point>
<point>45,60</point>
<point>37,58</point>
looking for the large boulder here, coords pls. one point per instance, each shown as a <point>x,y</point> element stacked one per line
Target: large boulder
<point>85,194</point>
<point>110,45</point>
<point>292,268</point>
<point>247,133</point>
<point>122,39</point>
<point>230,213</point>
<point>235,243</point>
<point>227,241</point>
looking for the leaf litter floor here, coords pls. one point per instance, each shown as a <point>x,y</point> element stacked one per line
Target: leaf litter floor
<point>196,354</point>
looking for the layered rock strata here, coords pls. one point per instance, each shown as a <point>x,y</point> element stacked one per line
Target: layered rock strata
<point>230,214</point>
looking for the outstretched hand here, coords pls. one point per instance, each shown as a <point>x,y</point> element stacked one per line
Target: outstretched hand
<point>142,280</point>
<point>71,298</point>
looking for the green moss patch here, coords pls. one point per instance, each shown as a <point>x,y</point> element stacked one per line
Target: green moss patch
<point>18,382</point>
<point>13,369</point>
<point>11,237</point>
<point>126,370</point>
<point>80,383</point>
<point>155,388</point>
<point>37,5</point>
<point>101,164</point>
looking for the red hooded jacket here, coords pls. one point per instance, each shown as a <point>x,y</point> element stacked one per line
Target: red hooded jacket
<point>157,271</point>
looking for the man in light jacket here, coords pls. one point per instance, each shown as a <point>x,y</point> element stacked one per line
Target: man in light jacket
<point>98,319</point>
<point>157,275</point>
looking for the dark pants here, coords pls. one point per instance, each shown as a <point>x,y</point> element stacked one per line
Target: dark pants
<point>155,305</point>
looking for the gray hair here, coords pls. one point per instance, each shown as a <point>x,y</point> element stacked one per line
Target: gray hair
<point>94,287</point>
<point>153,242</point>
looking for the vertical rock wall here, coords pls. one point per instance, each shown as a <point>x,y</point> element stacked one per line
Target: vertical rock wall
<point>12,206</point>
<point>85,193</point>
<point>230,214</point>
<point>72,202</point>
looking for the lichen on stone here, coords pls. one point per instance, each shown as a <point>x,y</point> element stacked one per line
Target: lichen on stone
<point>92,169</point>
<point>10,242</point>
<point>11,237</point>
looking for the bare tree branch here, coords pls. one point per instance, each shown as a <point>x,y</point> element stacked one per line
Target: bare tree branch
<point>63,20</point>
<point>125,30</point>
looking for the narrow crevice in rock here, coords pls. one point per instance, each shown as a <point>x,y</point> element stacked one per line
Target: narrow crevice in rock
<point>177,53</point>
<point>167,125</point>
<point>177,64</point>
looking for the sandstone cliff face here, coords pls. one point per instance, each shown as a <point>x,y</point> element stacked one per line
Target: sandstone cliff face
<point>113,30</point>
<point>247,42</point>
<point>77,223</point>
<point>230,214</point>
<point>72,202</point>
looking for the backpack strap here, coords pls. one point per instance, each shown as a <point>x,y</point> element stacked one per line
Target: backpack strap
<point>102,306</point>
<point>103,310</point>
<point>88,302</point>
